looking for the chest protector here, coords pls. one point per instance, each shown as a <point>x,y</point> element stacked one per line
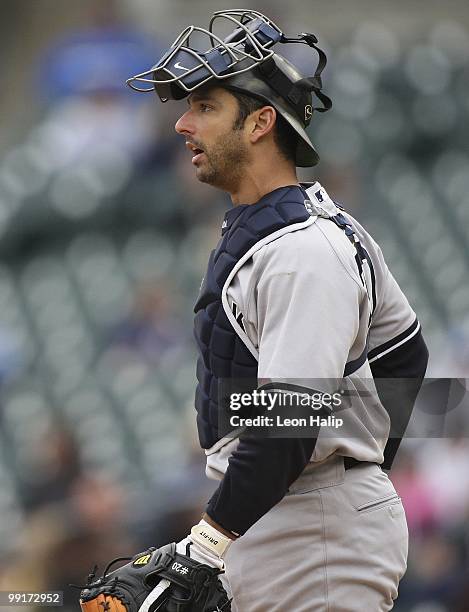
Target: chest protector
<point>222,353</point>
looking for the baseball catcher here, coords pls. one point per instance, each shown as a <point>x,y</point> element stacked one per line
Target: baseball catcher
<point>297,298</point>
<point>181,577</point>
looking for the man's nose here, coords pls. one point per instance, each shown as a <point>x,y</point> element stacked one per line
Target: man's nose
<point>183,124</point>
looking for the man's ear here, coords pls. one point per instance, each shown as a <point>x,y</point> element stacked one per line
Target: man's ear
<point>262,122</point>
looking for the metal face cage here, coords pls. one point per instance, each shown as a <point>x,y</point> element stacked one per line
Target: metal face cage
<point>182,69</point>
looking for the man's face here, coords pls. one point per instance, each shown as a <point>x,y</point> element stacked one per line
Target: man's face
<point>220,150</point>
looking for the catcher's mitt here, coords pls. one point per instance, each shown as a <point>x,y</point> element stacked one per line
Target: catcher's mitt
<point>157,579</point>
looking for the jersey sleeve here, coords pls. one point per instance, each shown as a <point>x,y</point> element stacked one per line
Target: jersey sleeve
<point>394,322</point>
<point>398,356</point>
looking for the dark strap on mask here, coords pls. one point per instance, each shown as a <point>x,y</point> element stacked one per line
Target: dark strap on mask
<point>314,83</point>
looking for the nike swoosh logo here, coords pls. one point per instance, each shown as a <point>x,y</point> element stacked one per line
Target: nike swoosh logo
<point>178,65</point>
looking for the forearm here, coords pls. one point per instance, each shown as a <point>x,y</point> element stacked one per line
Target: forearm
<point>259,474</point>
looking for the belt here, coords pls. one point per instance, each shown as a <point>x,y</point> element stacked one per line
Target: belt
<point>351,462</point>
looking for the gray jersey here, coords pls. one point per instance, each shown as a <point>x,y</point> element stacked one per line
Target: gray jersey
<point>303,309</point>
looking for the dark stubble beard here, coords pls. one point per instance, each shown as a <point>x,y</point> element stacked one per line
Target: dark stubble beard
<point>224,162</point>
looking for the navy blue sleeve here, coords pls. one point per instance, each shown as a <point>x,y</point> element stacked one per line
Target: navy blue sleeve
<point>398,376</point>
<point>259,474</point>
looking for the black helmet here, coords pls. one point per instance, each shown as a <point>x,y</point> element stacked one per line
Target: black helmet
<point>243,62</point>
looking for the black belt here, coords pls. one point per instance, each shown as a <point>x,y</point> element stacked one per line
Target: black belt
<point>351,462</point>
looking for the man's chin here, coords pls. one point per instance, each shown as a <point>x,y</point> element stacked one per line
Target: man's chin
<point>204,177</point>
<point>210,176</point>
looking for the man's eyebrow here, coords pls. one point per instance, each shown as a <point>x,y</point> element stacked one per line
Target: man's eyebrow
<point>199,97</point>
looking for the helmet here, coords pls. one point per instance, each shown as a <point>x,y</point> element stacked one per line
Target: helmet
<point>243,62</point>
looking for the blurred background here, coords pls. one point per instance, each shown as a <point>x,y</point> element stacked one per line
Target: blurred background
<point>104,237</point>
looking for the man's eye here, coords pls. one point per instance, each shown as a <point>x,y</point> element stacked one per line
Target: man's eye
<point>205,107</point>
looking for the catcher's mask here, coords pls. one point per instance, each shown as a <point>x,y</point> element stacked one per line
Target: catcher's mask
<point>244,62</point>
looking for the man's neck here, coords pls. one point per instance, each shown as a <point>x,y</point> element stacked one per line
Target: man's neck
<point>255,185</point>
